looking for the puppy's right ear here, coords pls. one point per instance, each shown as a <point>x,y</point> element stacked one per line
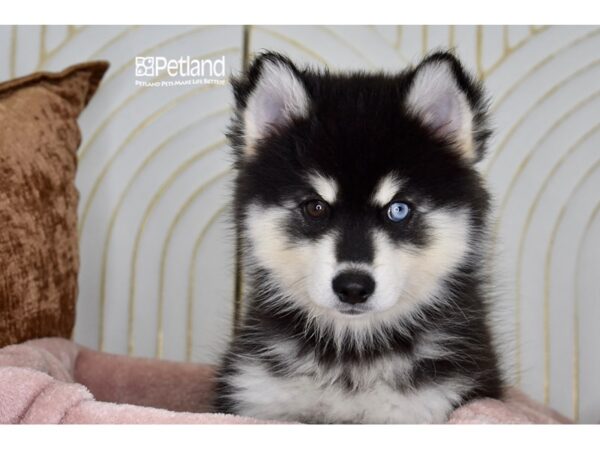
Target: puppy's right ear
<point>268,98</point>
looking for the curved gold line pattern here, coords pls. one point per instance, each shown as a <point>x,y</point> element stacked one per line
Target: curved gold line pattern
<point>529,218</point>
<point>577,294</point>
<point>525,231</point>
<point>147,213</point>
<point>238,291</point>
<point>531,153</point>
<point>247,39</point>
<point>134,133</point>
<point>399,34</point>
<point>511,50</point>
<point>331,32</point>
<point>113,157</point>
<point>246,43</point>
<point>548,265</point>
<point>516,125</point>
<point>42,49</point>
<point>452,36</point>
<point>375,30</point>
<point>113,40</point>
<point>506,197</point>
<point>505,42</point>
<point>128,139</point>
<point>484,73</point>
<point>392,43</point>
<point>192,281</point>
<point>496,105</point>
<point>73,32</point>
<point>13,51</point>
<point>155,152</point>
<point>500,100</point>
<point>161,299</point>
<point>479,51</point>
<point>292,42</point>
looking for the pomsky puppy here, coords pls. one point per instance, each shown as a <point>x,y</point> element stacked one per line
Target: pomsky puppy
<point>363,224</point>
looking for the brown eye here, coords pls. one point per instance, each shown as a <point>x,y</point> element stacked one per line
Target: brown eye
<point>316,209</point>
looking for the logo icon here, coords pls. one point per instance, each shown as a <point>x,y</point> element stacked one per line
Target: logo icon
<point>144,66</point>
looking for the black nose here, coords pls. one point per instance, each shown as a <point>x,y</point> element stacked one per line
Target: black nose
<point>353,287</point>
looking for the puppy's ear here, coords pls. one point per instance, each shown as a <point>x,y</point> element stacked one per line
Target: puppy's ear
<point>268,99</point>
<point>447,100</point>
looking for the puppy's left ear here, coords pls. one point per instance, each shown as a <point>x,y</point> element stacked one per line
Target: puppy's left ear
<point>451,103</point>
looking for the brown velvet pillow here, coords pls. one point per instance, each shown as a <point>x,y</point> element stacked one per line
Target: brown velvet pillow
<point>39,259</point>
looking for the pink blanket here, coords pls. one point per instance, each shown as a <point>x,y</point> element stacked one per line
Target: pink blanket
<point>56,381</point>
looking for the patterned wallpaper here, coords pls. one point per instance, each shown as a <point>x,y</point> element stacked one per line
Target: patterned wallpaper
<point>158,277</point>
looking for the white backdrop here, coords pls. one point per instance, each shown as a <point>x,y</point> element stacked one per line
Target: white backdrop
<point>157,272</point>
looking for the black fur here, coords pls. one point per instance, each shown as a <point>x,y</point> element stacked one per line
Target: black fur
<point>357,130</point>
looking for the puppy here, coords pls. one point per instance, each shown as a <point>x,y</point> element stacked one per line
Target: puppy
<point>363,224</point>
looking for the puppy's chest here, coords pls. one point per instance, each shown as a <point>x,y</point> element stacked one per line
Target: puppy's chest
<point>379,392</point>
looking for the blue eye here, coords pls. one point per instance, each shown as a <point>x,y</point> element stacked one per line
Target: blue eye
<point>398,211</point>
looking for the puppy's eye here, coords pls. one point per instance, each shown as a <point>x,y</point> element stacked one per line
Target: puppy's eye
<point>398,211</point>
<point>315,209</point>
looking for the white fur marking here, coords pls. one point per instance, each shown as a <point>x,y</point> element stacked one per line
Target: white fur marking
<point>326,187</point>
<point>292,264</point>
<point>386,189</point>
<point>313,396</point>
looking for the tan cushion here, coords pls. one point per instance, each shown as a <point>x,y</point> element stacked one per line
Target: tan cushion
<point>39,259</point>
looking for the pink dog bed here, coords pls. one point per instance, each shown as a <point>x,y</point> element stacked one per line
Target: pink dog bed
<point>55,381</point>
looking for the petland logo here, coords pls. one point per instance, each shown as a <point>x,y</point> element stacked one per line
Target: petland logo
<point>159,71</point>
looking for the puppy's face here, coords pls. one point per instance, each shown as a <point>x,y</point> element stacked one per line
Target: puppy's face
<point>356,194</point>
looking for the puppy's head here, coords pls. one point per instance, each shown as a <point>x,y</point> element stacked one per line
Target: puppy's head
<point>356,193</point>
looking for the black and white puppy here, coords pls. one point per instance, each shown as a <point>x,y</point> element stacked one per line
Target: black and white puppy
<point>363,222</point>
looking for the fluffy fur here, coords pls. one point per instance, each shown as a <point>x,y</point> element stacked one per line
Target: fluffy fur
<point>419,345</point>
